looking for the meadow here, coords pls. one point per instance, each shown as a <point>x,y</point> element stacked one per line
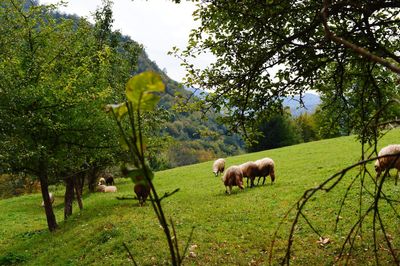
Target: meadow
<point>234,229</point>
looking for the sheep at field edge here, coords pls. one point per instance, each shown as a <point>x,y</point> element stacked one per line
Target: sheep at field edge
<point>142,190</point>
<point>106,189</point>
<point>102,181</point>
<point>51,196</point>
<point>390,162</point>
<point>250,171</point>
<point>218,166</point>
<point>266,166</point>
<point>232,177</point>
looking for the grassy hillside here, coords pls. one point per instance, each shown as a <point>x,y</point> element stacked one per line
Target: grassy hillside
<point>229,230</point>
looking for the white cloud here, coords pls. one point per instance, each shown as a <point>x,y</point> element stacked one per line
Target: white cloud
<point>157,24</point>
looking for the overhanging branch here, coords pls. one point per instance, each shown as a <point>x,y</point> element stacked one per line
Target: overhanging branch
<point>359,50</point>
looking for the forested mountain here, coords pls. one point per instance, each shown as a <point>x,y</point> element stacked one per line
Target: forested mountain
<point>195,137</point>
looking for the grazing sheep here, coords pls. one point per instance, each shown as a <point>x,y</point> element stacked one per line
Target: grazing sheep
<point>250,171</point>
<point>104,188</point>
<point>142,190</point>
<point>100,187</point>
<point>390,162</point>
<point>51,196</point>
<point>218,166</point>
<point>232,177</point>
<point>266,167</point>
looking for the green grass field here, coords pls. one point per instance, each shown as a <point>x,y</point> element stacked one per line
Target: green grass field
<point>232,229</point>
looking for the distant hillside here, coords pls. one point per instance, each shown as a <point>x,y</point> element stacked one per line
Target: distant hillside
<point>311,101</point>
<point>197,137</point>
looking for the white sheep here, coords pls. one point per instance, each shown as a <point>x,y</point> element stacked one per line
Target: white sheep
<point>390,162</point>
<point>102,181</point>
<point>232,177</point>
<point>104,188</point>
<point>218,166</point>
<point>266,166</point>
<point>250,171</point>
<point>51,196</point>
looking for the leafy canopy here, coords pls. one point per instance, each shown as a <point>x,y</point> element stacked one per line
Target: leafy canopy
<point>266,50</point>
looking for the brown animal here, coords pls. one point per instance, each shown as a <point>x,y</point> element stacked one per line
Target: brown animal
<point>232,177</point>
<point>390,162</point>
<point>109,179</point>
<point>250,171</point>
<point>266,167</point>
<point>142,190</point>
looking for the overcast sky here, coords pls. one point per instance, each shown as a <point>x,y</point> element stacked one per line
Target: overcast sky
<point>157,24</point>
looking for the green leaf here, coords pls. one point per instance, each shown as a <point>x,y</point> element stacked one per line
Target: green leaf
<point>119,109</point>
<point>141,90</point>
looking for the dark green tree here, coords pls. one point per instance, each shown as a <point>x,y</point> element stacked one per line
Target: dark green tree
<point>266,50</point>
<point>279,130</point>
<point>55,82</point>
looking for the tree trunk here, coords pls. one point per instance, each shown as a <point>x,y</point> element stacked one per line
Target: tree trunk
<point>78,193</point>
<point>81,182</point>
<point>92,177</point>
<point>68,197</point>
<point>51,218</point>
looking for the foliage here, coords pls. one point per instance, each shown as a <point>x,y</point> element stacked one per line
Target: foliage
<point>266,50</point>
<point>54,83</point>
<point>142,94</point>
<point>307,126</point>
<point>275,131</point>
<point>15,185</point>
<point>234,230</point>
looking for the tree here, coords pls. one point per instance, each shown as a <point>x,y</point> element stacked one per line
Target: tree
<point>307,126</point>
<point>54,84</point>
<point>266,50</point>
<point>277,131</point>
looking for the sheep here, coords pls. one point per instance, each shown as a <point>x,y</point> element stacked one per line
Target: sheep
<point>102,181</point>
<point>390,162</point>
<point>232,177</point>
<point>104,188</point>
<point>51,196</point>
<point>218,166</point>
<point>266,166</point>
<point>142,190</point>
<point>249,170</point>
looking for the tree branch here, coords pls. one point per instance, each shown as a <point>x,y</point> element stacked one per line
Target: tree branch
<point>359,50</point>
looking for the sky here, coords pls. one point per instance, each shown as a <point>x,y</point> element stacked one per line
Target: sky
<point>156,24</point>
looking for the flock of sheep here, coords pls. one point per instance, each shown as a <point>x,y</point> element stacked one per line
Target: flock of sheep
<point>106,184</point>
<point>234,175</point>
<point>262,168</point>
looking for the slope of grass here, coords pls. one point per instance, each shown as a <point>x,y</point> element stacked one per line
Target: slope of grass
<point>229,230</point>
